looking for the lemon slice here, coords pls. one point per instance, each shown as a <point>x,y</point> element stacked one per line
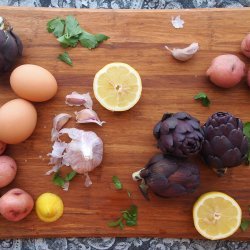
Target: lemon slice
<point>216,215</point>
<point>49,207</point>
<point>117,86</point>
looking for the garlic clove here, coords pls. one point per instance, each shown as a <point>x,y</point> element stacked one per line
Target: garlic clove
<point>76,99</point>
<point>88,181</point>
<point>185,53</point>
<point>54,169</point>
<point>177,22</point>
<point>58,122</point>
<point>88,116</point>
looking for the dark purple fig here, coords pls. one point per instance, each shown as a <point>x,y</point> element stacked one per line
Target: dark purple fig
<point>168,176</point>
<point>179,134</point>
<point>225,144</point>
<point>10,46</point>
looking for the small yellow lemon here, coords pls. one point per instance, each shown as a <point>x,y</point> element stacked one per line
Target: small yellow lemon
<point>216,215</point>
<point>117,86</point>
<point>49,207</point>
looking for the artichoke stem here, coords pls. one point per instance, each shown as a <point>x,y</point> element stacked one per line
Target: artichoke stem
<point>136,175</point>
<point>220,172</point>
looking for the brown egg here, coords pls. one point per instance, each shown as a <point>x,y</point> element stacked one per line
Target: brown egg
<point>33,83</point>
<point>18,120</point>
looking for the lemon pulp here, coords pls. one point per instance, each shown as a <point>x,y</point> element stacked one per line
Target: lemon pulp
<point>49,207</point>
<point>117,86</point>
<point>216,215</point>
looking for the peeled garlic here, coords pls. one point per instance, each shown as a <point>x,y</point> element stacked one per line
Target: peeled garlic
<point>177,22</point>
<point>76,99</point>
<point>185,53</point>
<point>88,116</point>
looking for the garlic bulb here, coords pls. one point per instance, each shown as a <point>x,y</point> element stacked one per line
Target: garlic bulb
<point>83,153</point>
<point>76,99</point>
<point>185,53</point>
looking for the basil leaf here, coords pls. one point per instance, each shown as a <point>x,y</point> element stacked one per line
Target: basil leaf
<point>65,58</point>
<point>244,224</point>
<point>58,180</point>
<point>117,182</point>
<point>204,99</point>
<point>70,176</point>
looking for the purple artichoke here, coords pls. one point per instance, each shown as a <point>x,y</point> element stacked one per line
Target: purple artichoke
<point>10,46</point>
<point>225,145</point>
<point>179,134</point>
<point>168,176</point>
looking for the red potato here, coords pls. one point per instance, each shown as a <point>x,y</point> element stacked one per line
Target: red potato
<point>8,169</point>
<point>245,46</point>
<point>16,204</point>
<point>2,147</point>
<point>226,71</point>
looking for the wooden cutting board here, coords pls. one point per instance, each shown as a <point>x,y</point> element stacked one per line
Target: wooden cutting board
<point>137,38</point>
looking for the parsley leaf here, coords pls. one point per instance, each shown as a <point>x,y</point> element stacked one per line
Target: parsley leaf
<point>70,176</point>
<point>65,58</point>
<point>56,26</point>
<point>246,131</point>
<point>88,40</point>
<point>204,99</point>
<point>72,27</point>
<point>101,37</point>
<point>58,180</point>
<point>117,182</point>
<point>68,42</point>
<point>244,224</point>
<point>129,217</point>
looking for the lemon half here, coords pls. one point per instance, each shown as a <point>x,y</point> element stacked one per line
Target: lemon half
<point>117,86</point>
<point>216,215</point>
<point>49,207</point>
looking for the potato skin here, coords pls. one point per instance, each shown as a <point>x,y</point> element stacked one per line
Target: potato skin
<point>8,169</point>
<point>16,204</point>
<point>226,71</point>
<point>245,46</point>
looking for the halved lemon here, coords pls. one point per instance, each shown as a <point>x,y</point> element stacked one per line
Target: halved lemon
<point>117,86</point>
<point>216,215</point>
<point>49,207</point>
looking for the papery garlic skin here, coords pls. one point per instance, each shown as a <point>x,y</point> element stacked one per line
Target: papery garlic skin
<point>88,116</point>
<point>58,122</point>
<point>177,22</point>
<point>76,99</point>
<point>185,53</point>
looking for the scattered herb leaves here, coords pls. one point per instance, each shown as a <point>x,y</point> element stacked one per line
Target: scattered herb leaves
<point>117,182</point>
<point>60,181</point>
<point>204,99</point>
<point>69,33</point>
<point>128,217</point>
<point>244,224</point>
<point>65,58</point>
<point>246,131</point>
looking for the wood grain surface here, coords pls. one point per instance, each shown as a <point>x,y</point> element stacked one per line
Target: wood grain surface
<point>137,38</point>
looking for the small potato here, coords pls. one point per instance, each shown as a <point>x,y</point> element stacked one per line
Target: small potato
<point>245,46</point>
<point>16,204</point>
<point>2,147</point>
<point>226,71</point>
<point>8,169</point>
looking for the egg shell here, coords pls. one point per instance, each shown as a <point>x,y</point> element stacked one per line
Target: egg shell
<point>18,119</point>
<point>33,83</point>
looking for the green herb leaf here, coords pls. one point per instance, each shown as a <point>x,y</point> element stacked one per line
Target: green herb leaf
<point>244,224</point>
<point>115,223</point>
<point>101,37</point>
<point>117,182</point>
<point>58,180</point>
<point>204,99</point>
<point>88,40</point>
<point>246,131</point>
<point>56,26</point>
<point>65,58</point>
<point>72,27</point>
<point>68,42</point>
<point>70,176</point>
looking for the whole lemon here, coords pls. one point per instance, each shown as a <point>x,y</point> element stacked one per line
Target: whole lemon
<point>49,207</point>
